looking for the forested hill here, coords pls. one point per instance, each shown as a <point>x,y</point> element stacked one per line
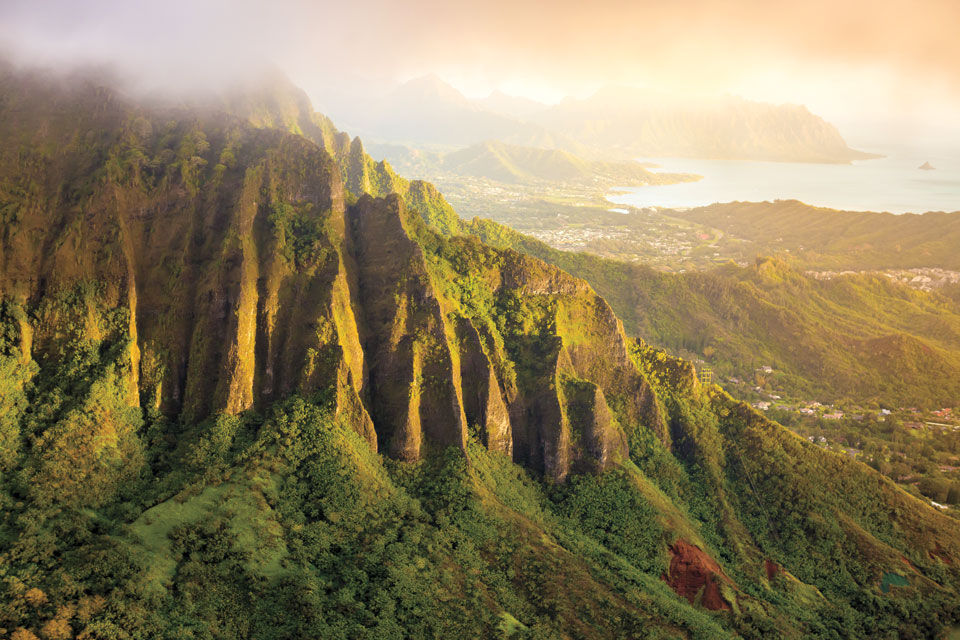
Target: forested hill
<point>239,400</point>
<point>840,239</point>
<point>513,164</point>
<point>859,338</point>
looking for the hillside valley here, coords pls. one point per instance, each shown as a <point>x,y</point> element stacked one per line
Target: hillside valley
<point>256,384</point>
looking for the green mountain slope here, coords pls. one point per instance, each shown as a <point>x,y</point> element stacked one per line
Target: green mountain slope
<point>237,403</point>
<point>508,163</point>
<point>857,337</point>
<point>274,102</point>
<point>831,239</point>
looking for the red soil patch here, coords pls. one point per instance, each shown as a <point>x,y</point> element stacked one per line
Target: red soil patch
<point>941,554</point>
<point>904,560</point>
<point>692,570</point>
<point>772,568</point>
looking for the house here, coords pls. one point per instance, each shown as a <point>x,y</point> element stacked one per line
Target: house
<point>762,405</point>
<point>766,369</point>
<point>833,416</point>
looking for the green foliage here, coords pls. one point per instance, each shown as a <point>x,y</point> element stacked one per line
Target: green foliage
<point>839,239</point>
<point>858,336</point>
<point>611,510</point>
<point>117,521</point>
<point>298,231</point>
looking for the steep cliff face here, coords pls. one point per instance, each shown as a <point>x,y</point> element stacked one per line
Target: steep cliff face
<point>247,277</point>
<point>415,387</point>
<point>206,341</point>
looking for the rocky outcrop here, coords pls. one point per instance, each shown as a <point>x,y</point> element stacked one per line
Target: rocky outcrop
<point>414,384</point>
<point>244,275</point>
<point>483,401</point>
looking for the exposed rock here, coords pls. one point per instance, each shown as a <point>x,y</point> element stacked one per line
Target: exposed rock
<point>598,442</point>
<point>248,277</point>
<point>482,399</point>
<point>695,575</point>
<point>772,568</point>
<point>413,388</point>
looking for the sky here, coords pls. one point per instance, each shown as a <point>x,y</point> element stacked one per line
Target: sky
<point>864,65</point>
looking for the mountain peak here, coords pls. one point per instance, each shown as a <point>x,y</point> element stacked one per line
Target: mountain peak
<point>432,86</point>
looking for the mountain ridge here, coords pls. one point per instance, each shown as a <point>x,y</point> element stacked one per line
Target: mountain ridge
<point>510,163</point>
<point>613,122</point>
<point>242,398</point>
<point>646,124</point>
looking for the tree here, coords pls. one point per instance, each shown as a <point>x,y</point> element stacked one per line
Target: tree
<point>937,489</point>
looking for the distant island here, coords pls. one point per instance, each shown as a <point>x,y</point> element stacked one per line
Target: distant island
<point>926,166</point>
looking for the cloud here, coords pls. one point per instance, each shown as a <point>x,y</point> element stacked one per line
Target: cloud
<point>800,51</point>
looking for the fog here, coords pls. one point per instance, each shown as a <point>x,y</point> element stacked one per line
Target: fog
<point>891,66</point>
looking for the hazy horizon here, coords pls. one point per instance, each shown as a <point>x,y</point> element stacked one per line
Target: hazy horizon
<point>891,69</point>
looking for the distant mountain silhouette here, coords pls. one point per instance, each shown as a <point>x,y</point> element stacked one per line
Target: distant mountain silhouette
<point>647,123</point>
<point>616,121</point>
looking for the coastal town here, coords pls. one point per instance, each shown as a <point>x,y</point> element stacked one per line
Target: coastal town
<point>922,279</point>
<point>571,217</point>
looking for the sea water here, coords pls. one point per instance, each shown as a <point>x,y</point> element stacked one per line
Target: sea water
<point>893,183</point>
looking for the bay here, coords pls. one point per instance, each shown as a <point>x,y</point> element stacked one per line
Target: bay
<point>894,183</point>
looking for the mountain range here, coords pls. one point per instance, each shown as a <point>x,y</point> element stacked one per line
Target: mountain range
<point>258,385</point>
<point>615,122</point>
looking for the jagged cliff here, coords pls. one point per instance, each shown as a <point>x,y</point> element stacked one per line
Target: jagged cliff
<point>246,398</point>
<point>246,277</point>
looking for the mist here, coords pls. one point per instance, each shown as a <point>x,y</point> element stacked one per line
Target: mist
<point>872,67</point>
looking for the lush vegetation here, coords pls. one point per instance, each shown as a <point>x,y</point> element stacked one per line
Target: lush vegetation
<point>856,338</point>
<point>833,239</point>
<point>198,421</point>
<point>286,524</point>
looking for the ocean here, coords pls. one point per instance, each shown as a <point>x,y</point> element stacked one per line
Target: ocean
<point>893,183</point>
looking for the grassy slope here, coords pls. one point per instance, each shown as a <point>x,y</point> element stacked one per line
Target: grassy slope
<point>286,522</point>
<point>507,163</point>
<point>840,239</point>
<point>859,336</point>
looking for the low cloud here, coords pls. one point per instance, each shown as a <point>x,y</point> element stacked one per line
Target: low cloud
<point>901,52</point>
